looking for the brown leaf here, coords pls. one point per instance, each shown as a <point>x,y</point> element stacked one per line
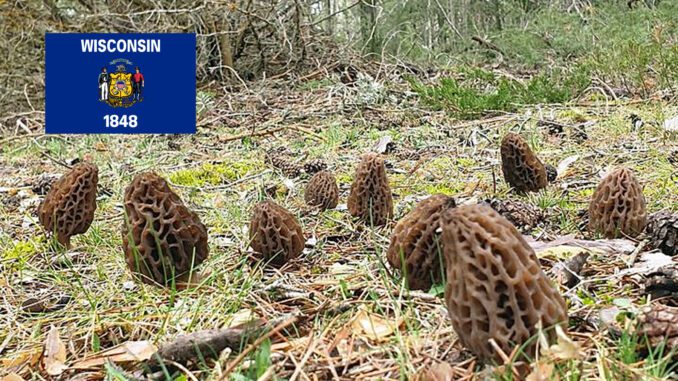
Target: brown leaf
<point>131,351</point>
<point>542,372</point>
<point>12,377</point>
<point>372,326</point>
<point>54,356</point>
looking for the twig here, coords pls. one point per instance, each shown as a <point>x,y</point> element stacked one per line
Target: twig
<point>254,345</point>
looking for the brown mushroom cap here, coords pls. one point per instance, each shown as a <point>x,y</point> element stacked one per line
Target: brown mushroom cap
<point>495,286</point>
<point>322,191</point>
<point>275,233</point>
<point>162,239</point>
<point>370,198</point>
<point>68,209</point>
<point>618,206</point>
<point>521,167</point>
<point>415,243</point>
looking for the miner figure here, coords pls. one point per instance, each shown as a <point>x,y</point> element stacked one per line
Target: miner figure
<point>137,84</point>
<point>103,85</point>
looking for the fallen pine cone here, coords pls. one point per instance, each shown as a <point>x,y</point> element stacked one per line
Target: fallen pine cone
<point>659,323</point>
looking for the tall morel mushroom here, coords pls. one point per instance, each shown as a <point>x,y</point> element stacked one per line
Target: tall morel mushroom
<point>162,239</point>
<point>275,233</point>
<point>370,198</point>
<point>521,167</point>
<point>68,208</point>
<point>495,288</point>
<point>618,206</point>
<point>415,243</point>
<point>322,191</point>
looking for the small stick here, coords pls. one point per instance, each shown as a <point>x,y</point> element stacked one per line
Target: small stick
<point>254,345</point>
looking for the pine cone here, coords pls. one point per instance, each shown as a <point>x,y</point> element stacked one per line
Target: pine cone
<point>551,173</point>
<point>523,216</point>
<point>280,157</point>
<point>314,166</point>
<point>673,157</point>
<point>663,230</point>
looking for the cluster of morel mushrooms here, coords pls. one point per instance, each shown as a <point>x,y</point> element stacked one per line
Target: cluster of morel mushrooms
<point>496,292</point>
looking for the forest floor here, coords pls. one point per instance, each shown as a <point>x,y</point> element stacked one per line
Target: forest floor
<point>353,318</point>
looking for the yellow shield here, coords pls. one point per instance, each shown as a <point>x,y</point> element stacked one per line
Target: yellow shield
<point>121,85</point>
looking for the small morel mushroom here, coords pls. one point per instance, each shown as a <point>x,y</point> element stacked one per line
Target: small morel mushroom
<point>322,191</point>
<point>370,198</point>
<point>314,166</point>
<point>68,209</point>
<point>496,289</point>
<point>415,243</point>
<point>162,239</point>
<point>275,233</point>
<point>618,206</point>
<point>662,228</point>
<point>521,167</point>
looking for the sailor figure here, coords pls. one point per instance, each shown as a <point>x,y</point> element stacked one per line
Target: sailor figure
<point>103,85</point>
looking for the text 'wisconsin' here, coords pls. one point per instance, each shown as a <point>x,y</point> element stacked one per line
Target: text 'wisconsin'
<point>120,46</point>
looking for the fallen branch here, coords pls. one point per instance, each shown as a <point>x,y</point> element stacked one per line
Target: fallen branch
<point>210,343</point>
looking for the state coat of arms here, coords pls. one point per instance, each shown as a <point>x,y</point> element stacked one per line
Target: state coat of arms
<point>121,88</point>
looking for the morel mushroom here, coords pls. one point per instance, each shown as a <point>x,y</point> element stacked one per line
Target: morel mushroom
<point>415,243</point>
<point>68,209</point>
<point>162,239</point>
<point>322,191</point>
<point>495,288</point>
<point>370,198</point>
<point>618,206</point>
<point>275,233</point>
<point>521,167</point>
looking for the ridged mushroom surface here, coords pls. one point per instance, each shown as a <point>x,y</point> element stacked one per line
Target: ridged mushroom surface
<point>617,206</point>
<point>69,206</point>
<point>370,198</point>
<point>322,191</point>
<point>162,239</point>
<point>521,167</point>
<point>275,233</point>
<point>415,243</point>
<point>496,289</point>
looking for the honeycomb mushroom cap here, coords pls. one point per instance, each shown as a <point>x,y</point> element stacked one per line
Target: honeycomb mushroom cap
<point>495,286</point>
<point>69,206</point>
<point>275,233</point>
<point>415,243</point>
<point>618,206</point>
<point>322,191</point>
<point>521,167</point>
<point>162,239</point>
<point>370,198</point>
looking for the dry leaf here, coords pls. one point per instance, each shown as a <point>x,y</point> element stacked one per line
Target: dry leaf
<point>54,356</point>
<point>240,317</point>
<point>564,348</point>
<point>436,372</point>
<point>131,351</point>
<point>561,252</point>
<point>565,164</point>
<point>373,326</point>
<point>542,372</point>
<point>24,358</point>
<point>12,377</point>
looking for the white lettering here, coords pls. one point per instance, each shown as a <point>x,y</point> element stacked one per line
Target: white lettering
<point>120,46</point>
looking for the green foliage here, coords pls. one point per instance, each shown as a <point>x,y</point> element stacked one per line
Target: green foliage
<point>21,252</point>
<point>482,92</point>
<point>213,174</point>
